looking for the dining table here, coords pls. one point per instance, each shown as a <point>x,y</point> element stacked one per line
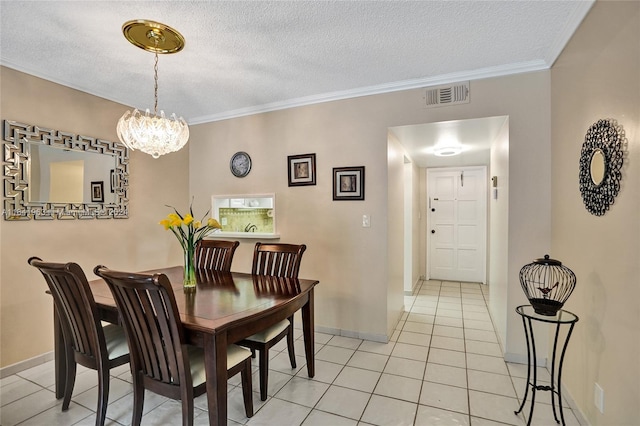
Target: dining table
<point>224,308</point>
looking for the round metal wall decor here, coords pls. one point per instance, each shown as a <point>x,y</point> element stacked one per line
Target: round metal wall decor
<point>601,165</point>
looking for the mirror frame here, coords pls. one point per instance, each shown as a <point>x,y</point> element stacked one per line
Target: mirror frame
<point>16,165</point>
<point>608,137</point>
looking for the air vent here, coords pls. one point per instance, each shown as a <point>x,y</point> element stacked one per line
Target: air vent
<point>450,94</point>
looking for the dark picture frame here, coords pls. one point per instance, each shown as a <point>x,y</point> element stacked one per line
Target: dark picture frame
<point>301,169</point>
<point>348,183</point>
<point>97,192</point>
<point>113,182</point>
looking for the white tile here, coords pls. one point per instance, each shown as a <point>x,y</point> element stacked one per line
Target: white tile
<point>276,381</point>
<point>303,392</point>
<point>320,418</point>
<point>286,413</point>
<point>422,310</point>
<point>448,321</point>
<point>344,342</point>
<point>169,412</point>
<point>399,387</point>
<point>322,338</point>
<point>450,343</point>
<point>481,335</point>
<point>120,410</point>
<point>486,363</point>
<point>447,357</point>
<point>446,374</point>
<point>483,348</point>
<point>377,347</point>
<point>418,327</point>
<point>494,407</point>
<point>368,360</point>
<point>478,325</point>
<point>431,416</point>
<point>385,411</point>
<point>15,389</point>
<point>28,406</point>
<point>423,318</point>
<point>477,421</point>
<point>480,316</point>
<point>43,374</point>
<point>417,353</point>
<point>411,338</point>
<point>444,396</point>
<point>357,378</point>
<point>117,389</point>
<point>491,382</point>
<point>55,416</point>
<point>282,363</point>
<point>344,402</point>
<point>457,307</point>
<point>326,372</point>
<point>443,330</point>
<point>298,346</point>
<point>405,367</point>
<point>335,354</point>
<point>474,308</point>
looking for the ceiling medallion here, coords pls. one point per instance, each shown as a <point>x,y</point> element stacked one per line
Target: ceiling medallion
<point>154,134</point>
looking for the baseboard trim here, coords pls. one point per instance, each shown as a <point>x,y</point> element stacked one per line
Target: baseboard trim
<point>354,334</point>
<point>12,369</point>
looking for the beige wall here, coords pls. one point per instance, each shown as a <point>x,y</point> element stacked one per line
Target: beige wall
<point>498,233</point>
<point>598,76</point>
<point>356,282</point>
<point>136,243</point>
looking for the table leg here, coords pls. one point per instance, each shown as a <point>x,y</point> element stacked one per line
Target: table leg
<point>309,337</point>
<point>526,389</point>
<point>215,361</point>
<point>59,354</point>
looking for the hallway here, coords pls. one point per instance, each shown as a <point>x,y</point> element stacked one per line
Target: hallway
<point>443,366</point>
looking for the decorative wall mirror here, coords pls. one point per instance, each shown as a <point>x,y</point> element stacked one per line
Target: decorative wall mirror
<point>601,165</point>
<point>49,174</point>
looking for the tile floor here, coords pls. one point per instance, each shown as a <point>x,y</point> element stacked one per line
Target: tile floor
<point>443,366</point>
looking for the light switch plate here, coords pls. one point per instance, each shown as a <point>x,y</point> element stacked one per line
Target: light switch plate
<point>366,221</point>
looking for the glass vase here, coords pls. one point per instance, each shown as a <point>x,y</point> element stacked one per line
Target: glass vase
<point>189,281</point>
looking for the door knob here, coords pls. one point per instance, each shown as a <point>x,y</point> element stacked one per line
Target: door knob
<point>433,210</point>
<point>433,231</point>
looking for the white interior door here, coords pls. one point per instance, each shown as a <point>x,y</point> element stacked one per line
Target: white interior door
<point>456,227</point>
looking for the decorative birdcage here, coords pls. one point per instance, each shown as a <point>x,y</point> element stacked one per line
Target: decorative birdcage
<point>547,284</point>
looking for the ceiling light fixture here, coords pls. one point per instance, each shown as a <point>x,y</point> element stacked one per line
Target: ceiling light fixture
<point>153,134</point>
<point>447,151</point>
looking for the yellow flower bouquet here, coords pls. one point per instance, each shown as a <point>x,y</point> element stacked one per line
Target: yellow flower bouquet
<point>189,232</point>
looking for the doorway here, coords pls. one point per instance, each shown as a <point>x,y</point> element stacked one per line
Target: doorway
<point>457,224</point>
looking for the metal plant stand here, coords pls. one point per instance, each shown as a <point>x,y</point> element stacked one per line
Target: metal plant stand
<point>561,317</point>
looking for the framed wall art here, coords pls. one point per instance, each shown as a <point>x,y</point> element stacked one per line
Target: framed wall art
<point>348,183</point>
<point>97,192</point>
<point>302,169</point>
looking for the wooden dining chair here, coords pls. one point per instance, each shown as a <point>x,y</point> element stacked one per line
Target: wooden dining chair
<point>86,341</point>
<point>280,260</point>
<point>161,361</point>
<point>215,255</point>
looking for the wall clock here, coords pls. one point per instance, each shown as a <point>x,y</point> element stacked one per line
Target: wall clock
<point>240,164</point>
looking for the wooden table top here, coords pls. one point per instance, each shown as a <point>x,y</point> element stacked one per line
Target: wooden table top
<point>221,299</point>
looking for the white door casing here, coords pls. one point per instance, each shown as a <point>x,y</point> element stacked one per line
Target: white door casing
<point>456,224</point>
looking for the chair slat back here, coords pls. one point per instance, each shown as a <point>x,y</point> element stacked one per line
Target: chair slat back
<point>154,330</point>
<point>277,259</point>
<point>215,255</point>
<point>75,304</point>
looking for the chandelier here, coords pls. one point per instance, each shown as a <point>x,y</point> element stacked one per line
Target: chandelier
<point>154,134</point>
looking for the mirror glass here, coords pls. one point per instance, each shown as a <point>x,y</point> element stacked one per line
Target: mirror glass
<point>597,166</point>
<point>67,176</point>
<point>49,174</point>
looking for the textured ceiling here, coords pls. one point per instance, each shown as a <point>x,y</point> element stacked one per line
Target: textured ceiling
<point>251,56</point>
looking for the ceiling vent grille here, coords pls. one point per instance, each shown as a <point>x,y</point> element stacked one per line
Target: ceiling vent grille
<point>450,94</point>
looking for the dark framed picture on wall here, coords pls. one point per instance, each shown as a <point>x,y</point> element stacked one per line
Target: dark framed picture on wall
<point>302,169</point>
<point>97,192</point>
<point>348,183</point>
